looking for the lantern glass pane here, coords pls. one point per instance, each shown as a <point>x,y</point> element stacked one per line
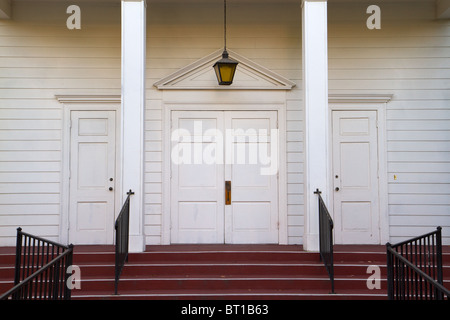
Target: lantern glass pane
<point>216,69</point>
<point>227,72</point>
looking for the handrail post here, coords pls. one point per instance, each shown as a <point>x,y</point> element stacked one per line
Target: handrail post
<point>439,254</point>
<point>122,234</point>
<point>18,255</point>
<point>69,262</point>
<point>390,276</point>
<point>326,238</point>
<point>440,277</point>
<point>18,260</point>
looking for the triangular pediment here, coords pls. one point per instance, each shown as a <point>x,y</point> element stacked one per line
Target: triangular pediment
<point>200,75</point>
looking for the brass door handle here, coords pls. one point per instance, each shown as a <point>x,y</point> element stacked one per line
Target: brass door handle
<point>227,193</point>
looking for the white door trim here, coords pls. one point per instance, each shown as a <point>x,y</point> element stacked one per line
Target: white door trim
<point>216,106</point>
<point>366,103</point>
<point>91,104</point>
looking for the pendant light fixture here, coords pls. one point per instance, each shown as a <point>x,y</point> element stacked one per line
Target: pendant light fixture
<point>225,68</point>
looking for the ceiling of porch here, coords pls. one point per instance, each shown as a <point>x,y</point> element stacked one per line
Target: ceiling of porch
<point>442,6</point>
<point>209,1</point>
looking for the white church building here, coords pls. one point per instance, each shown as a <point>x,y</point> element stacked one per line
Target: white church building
<point>101,97</point>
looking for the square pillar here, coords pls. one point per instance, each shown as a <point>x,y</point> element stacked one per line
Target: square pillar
<point>315,99</point>
<point>133,107</point>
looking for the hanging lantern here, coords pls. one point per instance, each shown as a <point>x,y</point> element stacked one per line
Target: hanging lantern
<point>225,68</point>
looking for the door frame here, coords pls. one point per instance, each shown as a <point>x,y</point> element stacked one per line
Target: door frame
<point>224,106</point>
<point>85,103</point>
<point>376,103</point>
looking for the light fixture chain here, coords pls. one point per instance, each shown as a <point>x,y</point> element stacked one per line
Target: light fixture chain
<point>225,23</point>
<point>225,67</point>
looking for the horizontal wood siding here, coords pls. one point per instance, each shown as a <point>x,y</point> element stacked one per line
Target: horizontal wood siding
<point>409,58</point>
<point>41,58</point>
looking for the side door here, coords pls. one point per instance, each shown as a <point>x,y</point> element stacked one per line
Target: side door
<point>355,175</point>
<point>92,177</point>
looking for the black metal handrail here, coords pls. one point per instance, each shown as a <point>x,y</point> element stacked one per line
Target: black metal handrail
<point>415,268</point>
<point>122,238</point>
<point>40,269</point>
<point>326,238</point>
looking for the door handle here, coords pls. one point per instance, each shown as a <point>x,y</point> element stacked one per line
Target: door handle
<point>227,193</point>
<point>111,188</point>
<point>337,189</point>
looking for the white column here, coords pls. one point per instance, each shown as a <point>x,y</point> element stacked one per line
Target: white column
<point>315,97</point>
<point>133,106</point>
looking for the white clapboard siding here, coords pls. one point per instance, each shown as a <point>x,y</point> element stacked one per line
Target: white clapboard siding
<point>153,172</point>
<point>41,58</point>
<point>409,58</point>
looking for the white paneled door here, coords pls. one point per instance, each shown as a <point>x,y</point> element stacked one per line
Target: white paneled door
<point>355,175</point>
<point>224,188</point>
<point>92,177</point>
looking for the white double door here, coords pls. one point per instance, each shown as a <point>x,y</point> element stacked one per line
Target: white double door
<point>224,177</point>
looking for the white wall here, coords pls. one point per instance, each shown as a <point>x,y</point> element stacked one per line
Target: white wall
<point>41,58</point>
<point>408,57</point>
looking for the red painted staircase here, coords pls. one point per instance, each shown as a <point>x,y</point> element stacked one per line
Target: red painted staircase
<point>231,272</point>
<point>235,272</point>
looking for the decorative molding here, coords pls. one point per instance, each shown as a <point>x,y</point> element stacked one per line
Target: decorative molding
<point>200,75</point>
<point>359,98</point>
<point>89,98</point>
<point>332,98</point>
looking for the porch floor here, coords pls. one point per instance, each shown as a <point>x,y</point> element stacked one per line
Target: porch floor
<point>228,247</point>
